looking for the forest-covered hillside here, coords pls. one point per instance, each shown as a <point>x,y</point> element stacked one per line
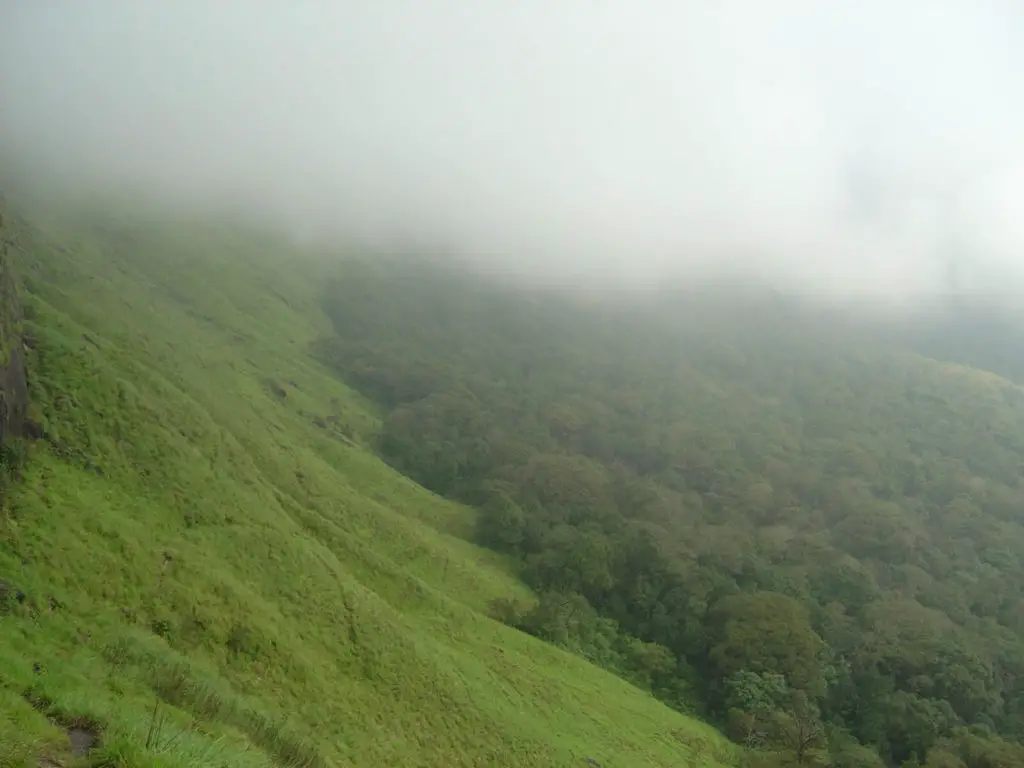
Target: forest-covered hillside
<point>804,532</point>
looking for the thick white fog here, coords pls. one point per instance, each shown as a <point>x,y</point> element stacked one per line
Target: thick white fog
<point>843,148</point>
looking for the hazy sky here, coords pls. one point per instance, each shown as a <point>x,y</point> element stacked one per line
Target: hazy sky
<point>853,146</point>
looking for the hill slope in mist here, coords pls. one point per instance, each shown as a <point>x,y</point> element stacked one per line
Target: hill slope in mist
<point>204,564</point>
<point>758,510</point>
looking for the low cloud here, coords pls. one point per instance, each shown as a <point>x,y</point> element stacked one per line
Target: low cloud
<point>868,149</point>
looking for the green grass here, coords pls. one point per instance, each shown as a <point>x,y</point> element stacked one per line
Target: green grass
<point>217,570</point>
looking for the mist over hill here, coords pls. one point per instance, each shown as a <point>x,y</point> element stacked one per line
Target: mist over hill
<point>861,152</point>
<point>453,383</point>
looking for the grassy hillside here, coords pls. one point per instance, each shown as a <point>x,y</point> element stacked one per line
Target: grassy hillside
<point>204,565</point>
<point>13,394</point>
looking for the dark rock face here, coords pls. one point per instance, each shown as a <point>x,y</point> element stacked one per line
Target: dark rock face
<point>13,389</point>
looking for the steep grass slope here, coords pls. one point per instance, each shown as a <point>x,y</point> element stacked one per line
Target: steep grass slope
<point>13,395</point>
<point>215,572</point>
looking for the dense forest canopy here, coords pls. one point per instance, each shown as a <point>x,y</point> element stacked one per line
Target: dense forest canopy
<point>754,510</point>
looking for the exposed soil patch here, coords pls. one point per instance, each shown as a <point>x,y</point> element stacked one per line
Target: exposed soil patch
<point>83,738</point>
<point>83,732</point>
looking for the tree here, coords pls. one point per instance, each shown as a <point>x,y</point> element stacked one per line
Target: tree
<point>573,560</point>
<point>766,632</point>
<point>856,756</point>
<point>501,523</point>
<point>752,701</point>
<point>799,727</point>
